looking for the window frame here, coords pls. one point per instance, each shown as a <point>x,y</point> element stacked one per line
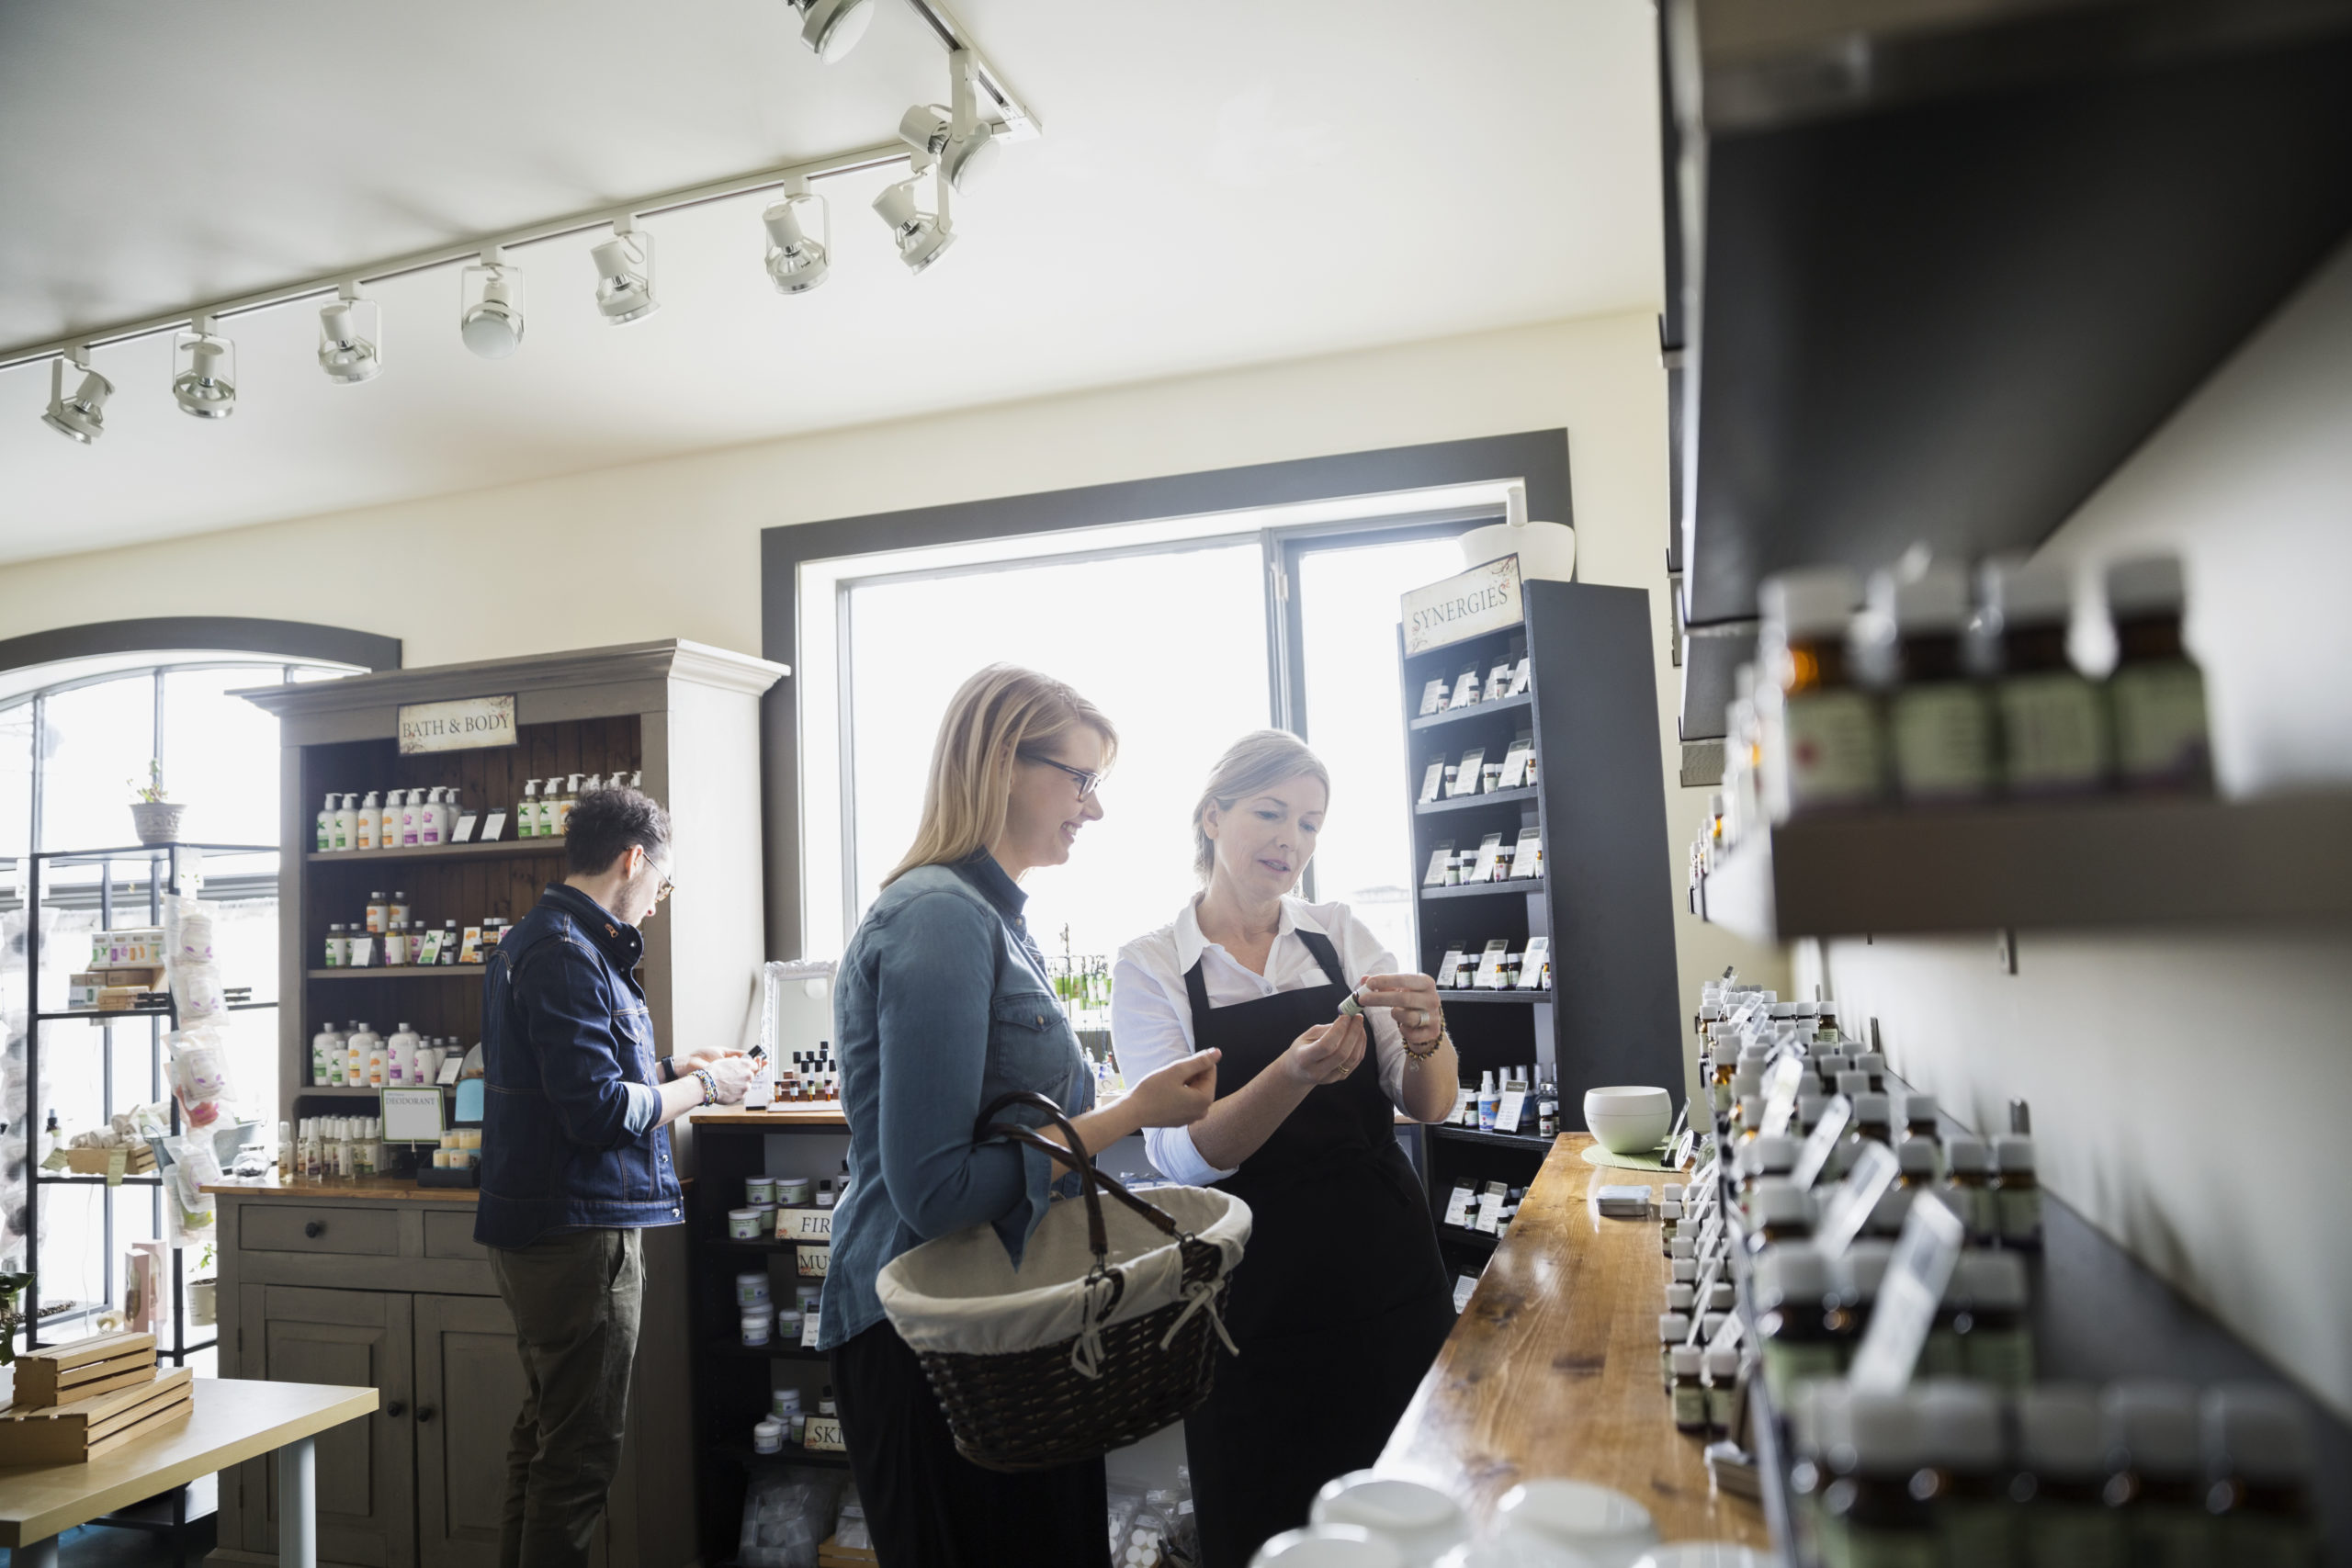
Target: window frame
<point>1290,506</point>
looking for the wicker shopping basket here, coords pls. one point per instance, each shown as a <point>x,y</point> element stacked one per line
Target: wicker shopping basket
<point>1105,1333</point>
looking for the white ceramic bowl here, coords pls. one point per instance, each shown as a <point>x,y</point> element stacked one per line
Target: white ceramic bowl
<point>1604,1526</point>
<point>1628,1119</point>
<point>1328,1546</point>
<point>1515,1551</point>
<point>1421,1521</point>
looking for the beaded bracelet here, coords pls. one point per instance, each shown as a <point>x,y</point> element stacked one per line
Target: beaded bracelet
<point>1444,1038</point>
<point>709,1086</point>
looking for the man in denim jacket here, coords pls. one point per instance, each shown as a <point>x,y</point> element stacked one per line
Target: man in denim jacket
<point>575,1163</point>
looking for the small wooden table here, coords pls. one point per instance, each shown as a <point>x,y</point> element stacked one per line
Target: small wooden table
<point>1553,1370</point>
<point>233,1420</point>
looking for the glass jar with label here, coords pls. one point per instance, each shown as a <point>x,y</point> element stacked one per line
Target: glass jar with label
<point>1821,742</point>
<point>2017,1193</point>
<point>2161,1488</point>
<point>2053,724</point>
<point>2062,1479</point>
<point>1939,720</point>
<point>2156,695</point>
<point>1791,1292</point>
<point>1968,1188</point>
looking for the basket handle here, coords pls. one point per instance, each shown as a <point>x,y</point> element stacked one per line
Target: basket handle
<point>1094,1177</point>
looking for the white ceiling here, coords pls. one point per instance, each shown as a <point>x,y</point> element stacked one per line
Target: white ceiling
<point>1220,181</point>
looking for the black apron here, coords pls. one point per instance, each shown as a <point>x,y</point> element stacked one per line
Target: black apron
<point>1340,1302</point>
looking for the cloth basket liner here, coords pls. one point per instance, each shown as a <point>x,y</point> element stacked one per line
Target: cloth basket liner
<point>960,1294</point>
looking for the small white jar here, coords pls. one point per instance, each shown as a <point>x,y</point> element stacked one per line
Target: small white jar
<point>1606,1527</point>
<point>1328,1546</point>
<point>1421,1522</point>
<point>767,1437</point>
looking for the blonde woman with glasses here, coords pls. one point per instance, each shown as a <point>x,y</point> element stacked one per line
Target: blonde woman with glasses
<point>1342,1301</point>
<point>941,1003</point>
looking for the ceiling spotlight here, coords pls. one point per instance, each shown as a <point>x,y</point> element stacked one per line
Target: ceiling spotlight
<point>624,276</point>
<point>490,299</point>
<point>921,236</point>
<point>966,148</point>
<point>81,416</point>
<point>833,27</point>
<point>797,262</point>
<point>350,344</point>
<point>204,371</point>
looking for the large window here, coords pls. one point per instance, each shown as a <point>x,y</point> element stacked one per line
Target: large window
<point>74,740</point>
<point>1237,623</point>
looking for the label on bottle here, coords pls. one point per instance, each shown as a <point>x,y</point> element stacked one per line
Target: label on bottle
<point>1824,750</point>
<point>1845,1544</point>
<point>2053,734</point>
<point>1975,1532</point>
<point>326,831</point>
<point>367,831</point>
<point>1789,1363</point>
<point>2019,1209</point>
<point>1690,1406</point>
<point>2074,1535</point>
<point>1942,738</point>
<point>2160,735</point>
<point>2002,1357</point>
<point>1723,1405</point>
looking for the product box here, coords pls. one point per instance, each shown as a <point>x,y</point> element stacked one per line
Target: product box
<point>80,1431</point>
<point>139,947</point>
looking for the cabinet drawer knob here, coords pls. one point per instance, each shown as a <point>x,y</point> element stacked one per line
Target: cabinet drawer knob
<point>425,1413</point>
<point>396,1409</point>
<point>315,1229</point>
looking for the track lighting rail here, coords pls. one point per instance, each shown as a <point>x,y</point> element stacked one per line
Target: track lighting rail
<point>1006,116</point>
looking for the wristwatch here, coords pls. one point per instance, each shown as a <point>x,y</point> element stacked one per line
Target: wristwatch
<point>668,1067</point>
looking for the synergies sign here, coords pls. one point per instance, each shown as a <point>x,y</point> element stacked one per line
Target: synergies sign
<point>1484,598</point>
<point>457,726</point>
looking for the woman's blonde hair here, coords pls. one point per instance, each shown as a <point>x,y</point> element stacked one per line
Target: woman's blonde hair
<point>1256,762</point>
<point>996,715</point>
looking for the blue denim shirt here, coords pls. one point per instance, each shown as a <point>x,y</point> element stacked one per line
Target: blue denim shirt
<point>941,1004</point>
<point>568,1051</point>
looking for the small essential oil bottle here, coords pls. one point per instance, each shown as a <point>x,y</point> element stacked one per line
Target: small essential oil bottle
<point>1920,1116</point>
<point>2016,1196</point>
<point>1871,1513</point>
<point>1966,1476</point>
<point>1968,1188</point>
<point>1873,1120</point>
<point>1938,718</point>
<point>1721,1367</point>
<point>1822,748</point>
<point>1915,1162</point>
<point>1689,1393</point>
<point>2062,1480</point>
<point>1995,1336</point>
<point>1873,1066</point>
<point>2053,723</point>
<point>2152,1424</point>
<point>1854,1280</point>
<point>1782,1211</point>
<point>1673,1328</point>
<point>1794,1332</point>
<point>2156,694</point>
<point>2258,1456</point>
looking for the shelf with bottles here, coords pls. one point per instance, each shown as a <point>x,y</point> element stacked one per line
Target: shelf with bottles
<point>1499,860</point>
<point>1934,762</point>
<point>1493,969</point>
<point>2045,1329</point>
<point>360,1059</point>
<point>504,846</point>
<point>410,819</point>
<point>390,935</point>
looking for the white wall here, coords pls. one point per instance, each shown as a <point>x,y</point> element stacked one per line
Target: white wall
<point>671,548</point>
<point>2189,1090</point>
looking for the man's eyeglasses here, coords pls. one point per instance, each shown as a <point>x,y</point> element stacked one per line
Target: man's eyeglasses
<point>1087,783</point>
<point>667,886</point>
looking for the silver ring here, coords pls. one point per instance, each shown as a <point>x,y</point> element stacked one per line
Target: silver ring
<point>1419,1017</point>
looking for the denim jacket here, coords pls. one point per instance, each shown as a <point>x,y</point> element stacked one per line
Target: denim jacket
<point>565,1032</point>
<point>940,1005</point>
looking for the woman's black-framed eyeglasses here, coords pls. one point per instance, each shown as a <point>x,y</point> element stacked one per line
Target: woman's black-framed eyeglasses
<point>1087,783</point>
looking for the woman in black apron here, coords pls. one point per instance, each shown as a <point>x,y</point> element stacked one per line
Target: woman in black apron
<point>1341,1300</point>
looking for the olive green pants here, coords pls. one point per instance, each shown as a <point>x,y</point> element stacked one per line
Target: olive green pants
<point>575,1297</point>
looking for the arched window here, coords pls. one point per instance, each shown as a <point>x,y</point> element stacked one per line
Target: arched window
<point>79,734</point>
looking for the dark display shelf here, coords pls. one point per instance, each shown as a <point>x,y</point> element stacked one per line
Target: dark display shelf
<point>1525,1143</point>
<point>397,971</point>
<point>1471,802</point>
<point>438,852</point>
<point>1485,889</point>
<point>1451,996</point>
<point>1519,704</point>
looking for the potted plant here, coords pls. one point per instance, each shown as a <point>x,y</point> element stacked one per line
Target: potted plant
<point>204,1292</point>
<point>12,1316</point>
<point>155,814</point>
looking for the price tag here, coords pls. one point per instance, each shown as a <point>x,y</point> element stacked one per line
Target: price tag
<point>807,1330</point>
<point>56,1160</point>
<point>1506,1113</point>
<point>463,832</point>
<point>1847,1208</point>
<point>493,826</point>
<point>1457,1206</point>
<point>1432,780</point>
<point>1527,855</point>
<point>1822,1141</point>
<point>1490,854</point>
<point>1908,1297</point>
<point>1521,676</point>
<point>1490,1212</point>
<point>1466,776</point>
<point>115,1160</point>
<point>1433,697</point>
<point>1781,1082</point>
<point>1435,875</point>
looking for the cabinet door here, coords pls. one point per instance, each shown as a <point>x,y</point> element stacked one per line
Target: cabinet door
<point>470,1388</point>
<point>367,1468</point>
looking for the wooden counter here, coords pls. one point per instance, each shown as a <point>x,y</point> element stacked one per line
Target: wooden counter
<point>367,1190</point>
<point>1553,1370</point>
<point>780,1118</point>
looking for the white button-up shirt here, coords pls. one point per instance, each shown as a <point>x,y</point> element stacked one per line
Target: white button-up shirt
<point>1151,1015</point>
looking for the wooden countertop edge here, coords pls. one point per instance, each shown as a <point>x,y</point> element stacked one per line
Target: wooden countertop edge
<point>376,1189</point>
<point>1553,1369</point>
<point>38,1501</point>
